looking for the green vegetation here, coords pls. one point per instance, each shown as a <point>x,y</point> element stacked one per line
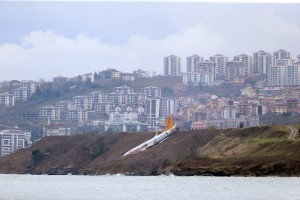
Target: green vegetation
<point>257,141</point>
<point>37,156</point>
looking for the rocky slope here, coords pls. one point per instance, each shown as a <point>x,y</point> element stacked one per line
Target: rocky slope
<point>251,152</point>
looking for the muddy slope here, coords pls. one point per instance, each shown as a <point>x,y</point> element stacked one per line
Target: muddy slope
<point>253,151</point>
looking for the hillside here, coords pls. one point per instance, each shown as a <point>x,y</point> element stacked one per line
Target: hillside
<point>252,151</point>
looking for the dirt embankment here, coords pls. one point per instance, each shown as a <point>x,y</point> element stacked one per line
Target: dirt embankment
<point>253,151</point>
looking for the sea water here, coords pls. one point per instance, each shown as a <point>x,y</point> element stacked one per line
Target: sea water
<point>69,187</point>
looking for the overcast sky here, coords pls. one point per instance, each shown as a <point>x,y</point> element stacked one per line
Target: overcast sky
<point>47,39</point>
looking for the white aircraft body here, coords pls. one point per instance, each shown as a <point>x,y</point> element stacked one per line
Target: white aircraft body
<point>170,128</point>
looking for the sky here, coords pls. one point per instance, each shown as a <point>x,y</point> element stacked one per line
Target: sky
<point>41,40</point>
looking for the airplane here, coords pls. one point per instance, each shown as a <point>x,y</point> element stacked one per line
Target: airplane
<point>158,138</point>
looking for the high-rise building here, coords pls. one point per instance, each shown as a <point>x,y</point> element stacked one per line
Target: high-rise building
<point>284,75</point>
<point>281,54</point>
<point>172,66</point>
<point>153,112</point>
<point>261,62</point>
<point>209,67</point>
<point>204,74</point>
<point>168,106</point>
<point>220,62</point>
<point>298,58</point>
<point>247,63</point>
<point>233,69</point>
<point>192,62</point>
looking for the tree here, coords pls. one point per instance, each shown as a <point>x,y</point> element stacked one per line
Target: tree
<point>37,156</point>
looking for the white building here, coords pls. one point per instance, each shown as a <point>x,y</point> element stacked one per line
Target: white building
<point>83,102</point>
<point>7,99</point>
<point>247,63</point>
<point>234,69</point>
<point>124,89</point>
<point>204,74</point>
<point>220,62</point>
<point>151,92</point>
<point>261,62</point>
<point>192,62</point>
<point>77,115</point>
<point>194,78</point>
<point>13,139</point>
<point>103,108</point>
<point>153,112</point>
<point>98,96</point>
<point>284,62</point>
<point>208,67</point>
<point>284,75</point>
<point>31,86</point>
<point>228,112</point>
<point>65,105</point>
<point>168,106</point>
<point>281,54</point>
<point>56,130</point>
<point>172,66</point>
<point>21,94</point>
<point>50,112</point>
<point>88,77</point>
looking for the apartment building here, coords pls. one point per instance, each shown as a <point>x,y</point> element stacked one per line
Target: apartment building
<point>220,64</point>
<point>262,60</point>
<point>31,86</point>
<point>228,112</point>
<point>192,63</point>
<point>247,63</point>
<point>284,75</point>
<point>50,113</point>
<point>153,112</point>
<point>7,99</point>
<point>77,115</point>
<point>97,96</point>
<point>56,130</point>
<point>281,54</point>
<point>151,92</point>
<point>234,69</point>
<point>195,78</point>
<point>168,106</point>
<point>13,139</point>
<point>21,94</point>
<point>83,102</point>
<point>172,66</point>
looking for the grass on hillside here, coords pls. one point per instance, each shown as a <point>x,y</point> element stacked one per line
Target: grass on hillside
<point>257,141</point>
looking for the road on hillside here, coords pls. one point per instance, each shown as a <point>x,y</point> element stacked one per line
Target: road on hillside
<point>293,133</point>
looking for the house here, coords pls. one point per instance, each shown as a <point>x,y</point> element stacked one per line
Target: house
<point>88,77</point>
<point>110,74</point>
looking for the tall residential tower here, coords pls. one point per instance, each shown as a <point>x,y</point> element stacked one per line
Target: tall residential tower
<point>172,66</point>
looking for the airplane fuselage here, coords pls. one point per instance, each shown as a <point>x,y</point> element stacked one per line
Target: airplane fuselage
<point>149,143</point>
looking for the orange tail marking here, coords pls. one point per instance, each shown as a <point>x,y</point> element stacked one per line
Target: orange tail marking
<point>170,123</point>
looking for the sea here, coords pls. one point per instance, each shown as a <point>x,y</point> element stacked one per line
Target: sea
<point>72,187</point>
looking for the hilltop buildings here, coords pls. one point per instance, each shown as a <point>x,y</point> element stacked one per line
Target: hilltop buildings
<point>17,92</point>
<point>127,109</point>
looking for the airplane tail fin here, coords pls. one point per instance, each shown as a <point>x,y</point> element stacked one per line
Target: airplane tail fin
<point>170,123</point>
